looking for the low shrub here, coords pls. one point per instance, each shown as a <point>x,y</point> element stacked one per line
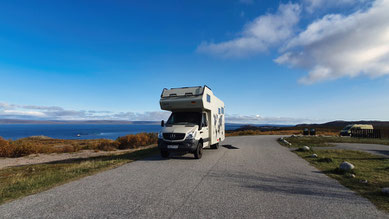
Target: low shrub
<point>4,147</point>
<point>137,140</point>
<point>33,145</point>
<point>107,145</point>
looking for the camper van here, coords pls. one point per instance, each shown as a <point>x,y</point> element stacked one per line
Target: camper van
<point>346,131</point>
<point>196,121</point>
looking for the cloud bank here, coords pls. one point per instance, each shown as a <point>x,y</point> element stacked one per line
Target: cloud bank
<point>30,112</point>
<point>14,111</point>
<point>332,47</point>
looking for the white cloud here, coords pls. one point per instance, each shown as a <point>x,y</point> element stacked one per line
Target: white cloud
<point>264,32</point>
<point>338,46</point>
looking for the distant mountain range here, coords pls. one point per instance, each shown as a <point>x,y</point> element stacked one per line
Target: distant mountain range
<point>341,124</point>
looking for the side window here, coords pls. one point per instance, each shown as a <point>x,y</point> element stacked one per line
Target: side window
<point>208,98</point>
<point>222,110</point>
<point>219,110</point>
<point>204,120</point>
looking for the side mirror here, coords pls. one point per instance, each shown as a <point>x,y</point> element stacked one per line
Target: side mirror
<point>162,123</point>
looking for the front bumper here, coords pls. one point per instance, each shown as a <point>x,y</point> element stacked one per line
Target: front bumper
<point>183,146</point>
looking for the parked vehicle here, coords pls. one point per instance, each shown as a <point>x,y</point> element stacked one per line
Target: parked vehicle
<point>196,121</point>
<point>346,131</point>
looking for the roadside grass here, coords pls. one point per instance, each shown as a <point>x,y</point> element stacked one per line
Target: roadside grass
<point>43,144</point>
<point>325,141</point>
<point>16,182</point>
<point>374,169</point>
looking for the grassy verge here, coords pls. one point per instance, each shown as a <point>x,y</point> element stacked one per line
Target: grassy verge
<point>374,169</point>
<point>16,182</point>
<point>317,141</point>
<point>43,144</point>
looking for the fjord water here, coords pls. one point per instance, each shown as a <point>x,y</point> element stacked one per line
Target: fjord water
<point>71,131</point>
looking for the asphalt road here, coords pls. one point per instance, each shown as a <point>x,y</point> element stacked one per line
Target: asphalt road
<point>251,177</point>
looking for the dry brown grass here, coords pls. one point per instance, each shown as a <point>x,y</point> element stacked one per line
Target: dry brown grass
<point>34,145</point>
<point>134,141</point>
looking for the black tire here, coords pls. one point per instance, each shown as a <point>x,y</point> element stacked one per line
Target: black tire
<point>215,146</point>
<point>199,151</point>
<point>164,153</point>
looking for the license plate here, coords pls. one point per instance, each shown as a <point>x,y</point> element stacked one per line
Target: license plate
<point>172,146</point>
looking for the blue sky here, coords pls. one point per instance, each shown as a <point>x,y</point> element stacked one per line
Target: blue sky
<point>280,62</point>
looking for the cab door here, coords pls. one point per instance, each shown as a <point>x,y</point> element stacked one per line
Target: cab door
<point>204,132</point>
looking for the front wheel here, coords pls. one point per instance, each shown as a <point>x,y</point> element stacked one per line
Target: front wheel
<point>199,151</point>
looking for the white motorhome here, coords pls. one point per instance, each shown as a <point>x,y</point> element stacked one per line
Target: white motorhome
<point>196,121</point>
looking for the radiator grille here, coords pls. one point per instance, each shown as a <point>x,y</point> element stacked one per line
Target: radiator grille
<point>173,136</point>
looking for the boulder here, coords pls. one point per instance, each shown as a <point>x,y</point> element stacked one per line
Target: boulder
<point>305,148</point>
<point>314,155</point>
<point>346,166</point>
<point>385,190</point>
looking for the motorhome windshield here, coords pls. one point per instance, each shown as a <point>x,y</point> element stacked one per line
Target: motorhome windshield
<point>184,118</point>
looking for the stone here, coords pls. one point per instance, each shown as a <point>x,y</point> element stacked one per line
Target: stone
<point>364,181</point>
<point>350,175</point>
<point>314,155</point>
<point>346,166</point>
<point>385,190</point>
<point>305,148</point>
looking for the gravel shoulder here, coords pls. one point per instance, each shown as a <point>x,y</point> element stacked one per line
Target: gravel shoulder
<point>250,177</point>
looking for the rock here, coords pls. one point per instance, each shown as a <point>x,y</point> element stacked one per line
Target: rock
<point>364,181</point>
<point>346,166</point>
<point>314,155</point>
<point>385,190</point>
<point>350,175</point>
<point>305,148</point>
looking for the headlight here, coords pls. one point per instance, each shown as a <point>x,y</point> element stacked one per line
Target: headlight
<point>160,136</point>
<point>191,135</point>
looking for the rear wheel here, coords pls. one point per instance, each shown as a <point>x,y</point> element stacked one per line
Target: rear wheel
<point>164,153</point>
<point>199,151</point>
<point>215,146</point>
